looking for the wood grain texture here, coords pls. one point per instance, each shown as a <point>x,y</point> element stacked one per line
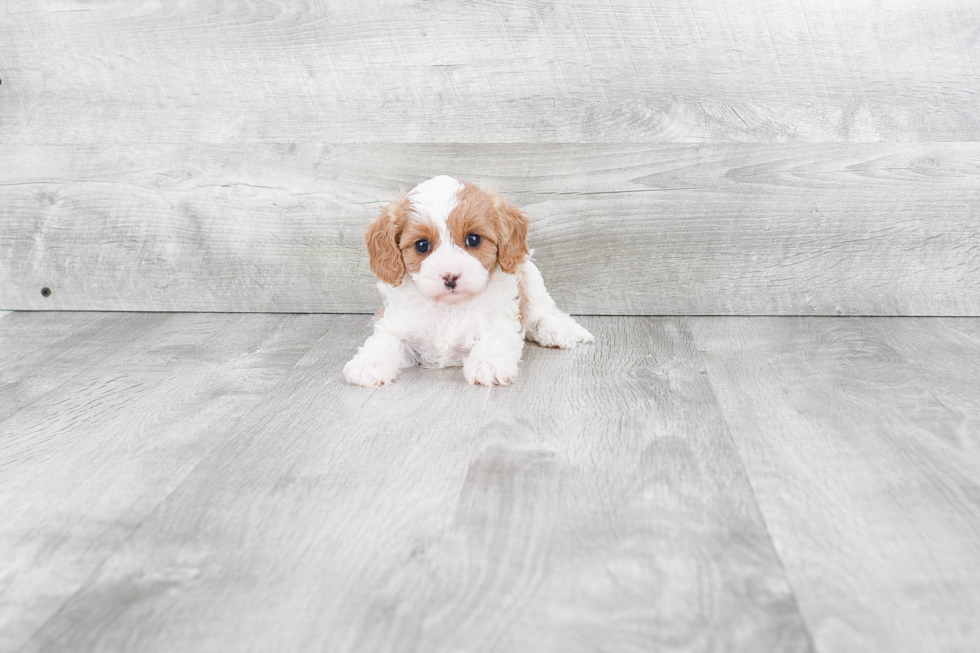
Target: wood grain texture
<point>593,502</point>
<point>609,512</point>
<point>679,158</point>
<point>943,357</point>
<point>212,484</point>
<point>72,343</point>
<point>860,440</point>
<point>583,71</point>
<point>876,229</point>
<point>82,467</point>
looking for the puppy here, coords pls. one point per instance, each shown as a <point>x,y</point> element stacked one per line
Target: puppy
<point>459,288</point>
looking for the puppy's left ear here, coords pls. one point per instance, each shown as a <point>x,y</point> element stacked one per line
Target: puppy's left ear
<point>512,227</point>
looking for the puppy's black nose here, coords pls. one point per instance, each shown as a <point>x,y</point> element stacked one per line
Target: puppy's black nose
<point>450,280</point>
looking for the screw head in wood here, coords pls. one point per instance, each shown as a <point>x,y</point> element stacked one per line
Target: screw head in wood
<point>45,292</point>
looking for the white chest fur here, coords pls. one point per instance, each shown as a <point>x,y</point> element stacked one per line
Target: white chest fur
<point>440,335</point>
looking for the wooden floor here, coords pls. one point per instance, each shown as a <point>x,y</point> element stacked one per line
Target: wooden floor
<point>194,482</point>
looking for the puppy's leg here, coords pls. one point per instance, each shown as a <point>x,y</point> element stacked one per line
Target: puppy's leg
<point>545,324</point>
<point>379,360</point>
<point>493,360</point>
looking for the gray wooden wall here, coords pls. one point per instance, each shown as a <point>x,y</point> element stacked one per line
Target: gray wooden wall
<point>677,157</point>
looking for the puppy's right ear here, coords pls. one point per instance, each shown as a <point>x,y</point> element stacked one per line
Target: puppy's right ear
<point>382,242</point>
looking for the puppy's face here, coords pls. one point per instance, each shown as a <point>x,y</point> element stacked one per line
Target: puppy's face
<point>449,237</point>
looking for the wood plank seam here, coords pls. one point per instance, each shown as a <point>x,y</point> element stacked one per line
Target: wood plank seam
<point>230,431</point>
<point>758,506</point>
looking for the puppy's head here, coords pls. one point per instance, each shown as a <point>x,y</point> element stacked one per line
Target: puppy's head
<point>449,237</point>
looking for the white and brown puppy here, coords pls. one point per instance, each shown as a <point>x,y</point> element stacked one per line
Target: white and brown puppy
<point>459,288</point>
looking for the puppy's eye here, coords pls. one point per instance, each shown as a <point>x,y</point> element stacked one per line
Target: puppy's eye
<point>473,240</point>
<point>422,246</point>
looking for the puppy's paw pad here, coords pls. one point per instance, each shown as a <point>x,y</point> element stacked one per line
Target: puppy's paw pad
<point>369,372</point>
<point>486,371</point>
<point>560,331</point>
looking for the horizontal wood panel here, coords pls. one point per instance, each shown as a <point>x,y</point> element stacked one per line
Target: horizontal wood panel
<point>887,229</point>
<point>617,70</point>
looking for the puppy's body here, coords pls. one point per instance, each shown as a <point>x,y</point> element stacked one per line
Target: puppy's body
<point>458,288</point>
<point>440,335</point>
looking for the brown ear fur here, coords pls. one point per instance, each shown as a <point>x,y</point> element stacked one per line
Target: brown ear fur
<point>512,248</point>
<point>382,242</point>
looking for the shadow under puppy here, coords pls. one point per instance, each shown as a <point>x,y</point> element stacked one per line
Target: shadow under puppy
<point>459,288</point>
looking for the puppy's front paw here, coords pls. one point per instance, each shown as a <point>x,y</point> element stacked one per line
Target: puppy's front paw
<point>559,331</point>
<point>489,370</point>
<point>370,372</point>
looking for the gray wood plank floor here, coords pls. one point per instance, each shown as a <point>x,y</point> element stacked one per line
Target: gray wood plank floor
<point>208,482</point>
